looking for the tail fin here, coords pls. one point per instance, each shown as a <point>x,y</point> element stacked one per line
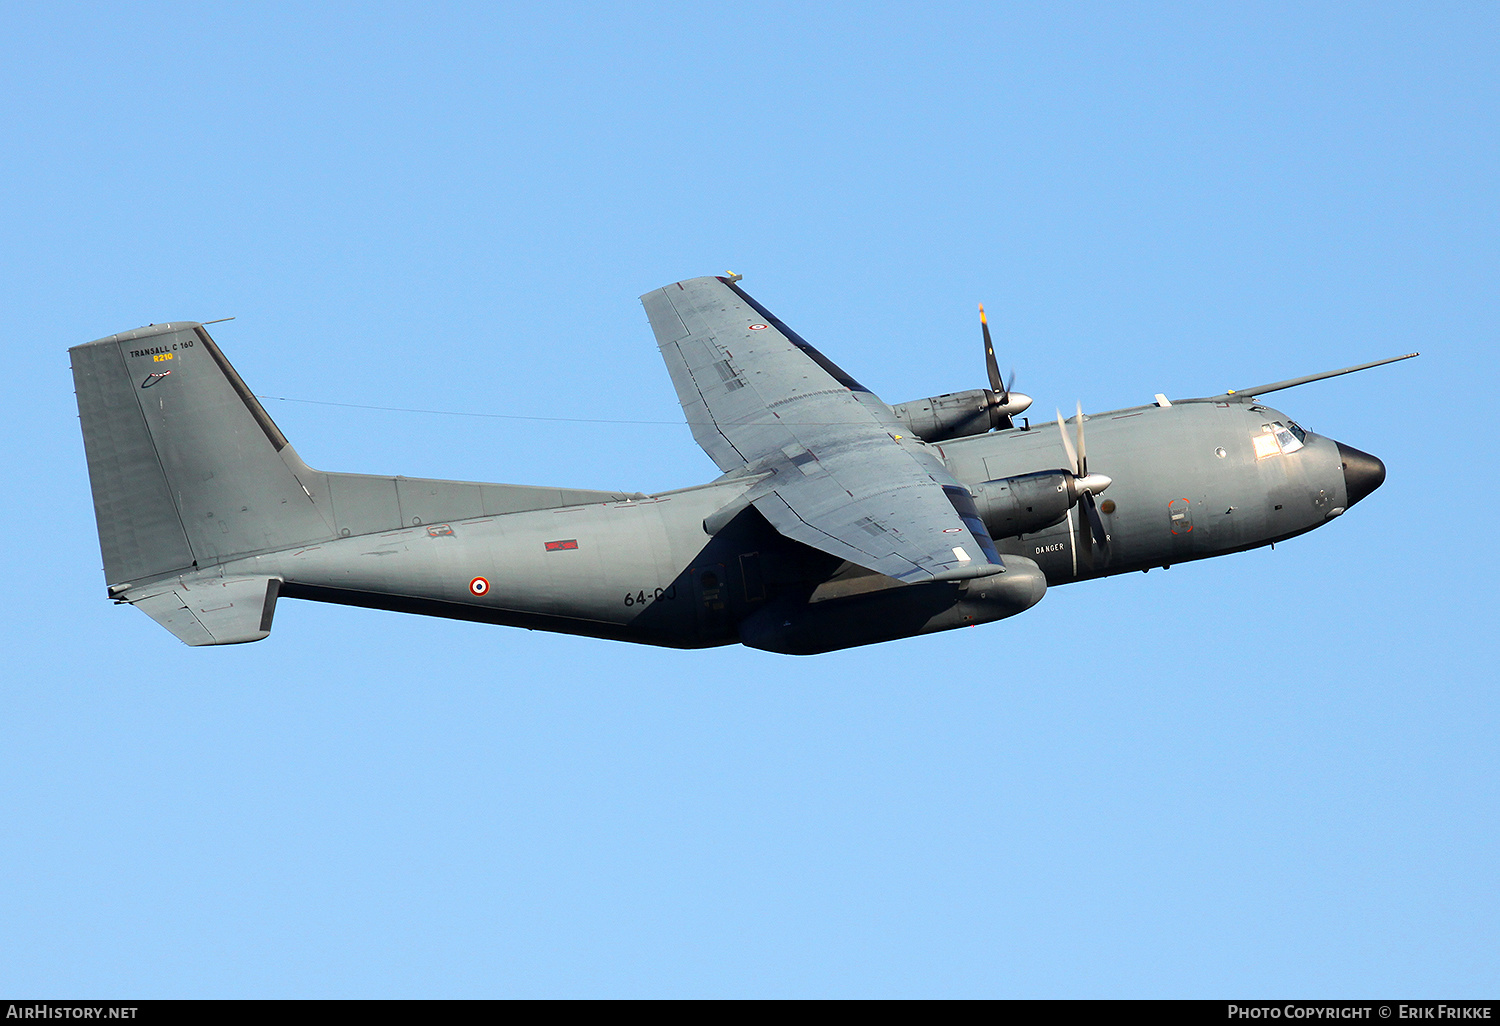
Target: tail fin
<point>189,473</point>
<point>187,469</point>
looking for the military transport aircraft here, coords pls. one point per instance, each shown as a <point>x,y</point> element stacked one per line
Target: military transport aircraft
<point>838,520</point>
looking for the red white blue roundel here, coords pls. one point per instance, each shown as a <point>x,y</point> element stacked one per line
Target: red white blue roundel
<point>757,327</point>
<point>479,586</point>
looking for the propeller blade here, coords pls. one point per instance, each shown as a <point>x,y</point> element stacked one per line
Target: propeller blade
<point>1005,403</point>
<point>1094,540</point>
<point>1096,523</point>
<point>996,385</point>
<point>1083,455</point>
<point>1062,429</point>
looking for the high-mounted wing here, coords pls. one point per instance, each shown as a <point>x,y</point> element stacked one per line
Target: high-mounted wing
<point>842,477</point>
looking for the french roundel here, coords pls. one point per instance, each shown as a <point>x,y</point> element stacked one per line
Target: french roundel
<point>757,327</point>
<point>479,586</point>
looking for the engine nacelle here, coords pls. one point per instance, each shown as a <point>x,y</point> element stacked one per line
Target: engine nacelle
<point>961,413</point>
<point>951,416</point>
<point>1026,504</point>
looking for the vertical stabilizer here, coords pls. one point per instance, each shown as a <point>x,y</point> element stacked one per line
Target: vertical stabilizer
<point>188,471</point>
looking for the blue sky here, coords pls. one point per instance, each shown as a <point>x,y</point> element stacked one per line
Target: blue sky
<point>1269,774</point>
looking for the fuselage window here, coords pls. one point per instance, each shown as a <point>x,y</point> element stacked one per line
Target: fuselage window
<point>1296,429</point>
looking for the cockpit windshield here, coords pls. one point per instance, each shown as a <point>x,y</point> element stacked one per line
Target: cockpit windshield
<point>1288,441</point>
<point>1277,439</point>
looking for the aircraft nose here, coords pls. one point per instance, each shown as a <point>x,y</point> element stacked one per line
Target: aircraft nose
<point>1363,473</point>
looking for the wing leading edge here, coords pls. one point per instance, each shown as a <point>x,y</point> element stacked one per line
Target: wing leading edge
<point>841,476</point>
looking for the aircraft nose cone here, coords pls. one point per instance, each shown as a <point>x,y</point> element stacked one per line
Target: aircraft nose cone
<point>1363,473</point>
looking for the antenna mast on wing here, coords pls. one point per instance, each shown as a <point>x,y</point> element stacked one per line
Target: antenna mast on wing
<point>1276,386</point>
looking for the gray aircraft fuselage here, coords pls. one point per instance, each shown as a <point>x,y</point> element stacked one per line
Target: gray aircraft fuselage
<point>207,515</point>
<point>1186,485</point>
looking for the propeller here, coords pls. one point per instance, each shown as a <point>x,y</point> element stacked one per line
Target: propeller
<point>1004,403</point>
<point>1085,485</point>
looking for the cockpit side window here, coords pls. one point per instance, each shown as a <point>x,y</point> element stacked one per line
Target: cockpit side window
<point>1297,430</point>
<point>1265,443</point>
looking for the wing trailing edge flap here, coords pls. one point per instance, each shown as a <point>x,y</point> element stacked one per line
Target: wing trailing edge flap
<point>210,610</point>
<point>894,546</point>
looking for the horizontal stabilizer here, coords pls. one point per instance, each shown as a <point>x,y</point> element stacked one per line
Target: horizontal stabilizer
<point>210,610</point>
